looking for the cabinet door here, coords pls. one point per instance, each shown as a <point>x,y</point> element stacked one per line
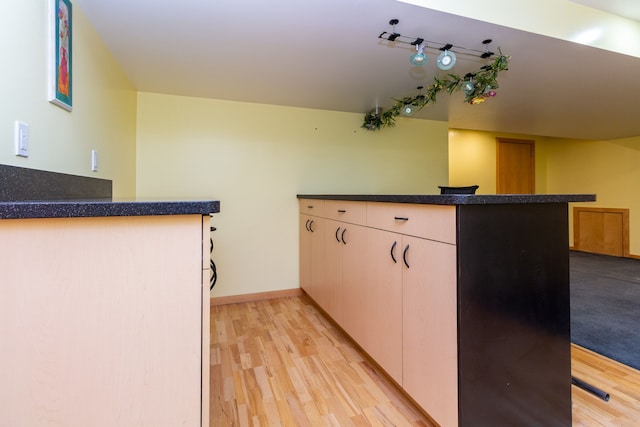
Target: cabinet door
<point>382,301</point>
<point>328,294</point>
<point>305,252</point>
<point>430,358</point>
<point>311,254</point>
<point>317,259</point>
<point>113,335</point>
<point>354,280</point>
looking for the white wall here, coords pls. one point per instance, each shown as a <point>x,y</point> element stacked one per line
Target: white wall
<point>104,111</point>
<point>256,158</point>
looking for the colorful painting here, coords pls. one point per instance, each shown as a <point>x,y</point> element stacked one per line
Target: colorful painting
<point>60,74</point>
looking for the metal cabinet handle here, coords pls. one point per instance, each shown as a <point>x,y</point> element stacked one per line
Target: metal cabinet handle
<point>400,218</point>
<point>404,256</point>
<point>393,249</point>
<point>337,238</point>
<point>341,211</point>
<point>309,206</point>
<point>311,226</point>
<point>306,225</point>
<point>342,236</point>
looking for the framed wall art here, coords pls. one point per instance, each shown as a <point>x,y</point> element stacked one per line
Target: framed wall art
<point>60,57</point>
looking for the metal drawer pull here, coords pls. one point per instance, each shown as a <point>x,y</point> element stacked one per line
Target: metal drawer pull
<point>309,206</point>
<point>393,248</point>
<point>404,256</point>
<point>341,211</point>
<point>400,218</point>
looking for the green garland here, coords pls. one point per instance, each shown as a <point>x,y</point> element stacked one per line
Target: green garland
<point>477,87</point>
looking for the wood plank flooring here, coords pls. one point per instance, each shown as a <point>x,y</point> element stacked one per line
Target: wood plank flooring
<point>282,363</point>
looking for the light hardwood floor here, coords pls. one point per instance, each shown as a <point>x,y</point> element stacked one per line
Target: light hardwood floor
<point>280,362</point>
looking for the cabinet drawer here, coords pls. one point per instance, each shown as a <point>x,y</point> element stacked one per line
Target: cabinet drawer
<point>433,222</point>
<point>346,211</point>
<point>313,207</point>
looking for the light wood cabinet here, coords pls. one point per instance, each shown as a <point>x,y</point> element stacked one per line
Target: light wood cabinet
<point>311,246</point>
<point>429,322</point>
<point>413,316</point>
<point>344,264</point>
<point>331,256</point>
<point>465,304</point>
<point>104,321</point>
<point>312,254</point>
<point>370,289</point>
<point>382,301</point>
<point>354,284</point>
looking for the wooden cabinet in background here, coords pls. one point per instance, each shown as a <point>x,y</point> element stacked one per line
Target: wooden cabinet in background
<point>601,230</point>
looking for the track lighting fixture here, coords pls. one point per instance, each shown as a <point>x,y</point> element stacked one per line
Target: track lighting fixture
<point>477,86</point>
<point>446,59</point>
<point>468,86</point>
<point>409,107</point>
<point>419,58</point>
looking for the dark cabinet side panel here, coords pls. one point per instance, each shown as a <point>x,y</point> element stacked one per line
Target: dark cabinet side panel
<point>513,315</point>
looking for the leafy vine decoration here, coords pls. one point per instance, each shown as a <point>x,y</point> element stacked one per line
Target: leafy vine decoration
<point>476,86</point>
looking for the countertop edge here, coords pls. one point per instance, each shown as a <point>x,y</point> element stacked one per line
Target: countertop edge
<point>456,199</point>
<point>105,208</point>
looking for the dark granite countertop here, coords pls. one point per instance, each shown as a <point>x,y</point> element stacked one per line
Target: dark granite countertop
<point>104,208</point>
<point>457,199</point>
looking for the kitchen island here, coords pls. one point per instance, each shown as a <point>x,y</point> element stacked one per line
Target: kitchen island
<point>104,312</point>
<point>463,300</point>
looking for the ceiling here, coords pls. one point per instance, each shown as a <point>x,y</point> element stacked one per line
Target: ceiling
<point>326,54</point>
<point>625,8</point>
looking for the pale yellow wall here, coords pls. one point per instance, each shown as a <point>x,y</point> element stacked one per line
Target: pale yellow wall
<point>608,169</point>
<point>104,111</point>
<point>472,159</point>
<point>256,158</point>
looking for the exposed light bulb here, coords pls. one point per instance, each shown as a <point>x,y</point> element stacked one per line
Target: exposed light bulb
<point>468,87</point>
<point>446,60</point>
<point>419,58</point>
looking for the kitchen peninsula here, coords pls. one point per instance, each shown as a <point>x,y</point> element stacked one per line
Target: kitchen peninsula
<point>463,300</point>
<point>104,312</point>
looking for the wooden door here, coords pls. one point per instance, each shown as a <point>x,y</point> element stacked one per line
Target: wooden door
<point>430,351</point>
<point>515,166</point>
<point>601,230</point>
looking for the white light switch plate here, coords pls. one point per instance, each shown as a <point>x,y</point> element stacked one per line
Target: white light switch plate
<point>94,160</point>
<point>21,139</point>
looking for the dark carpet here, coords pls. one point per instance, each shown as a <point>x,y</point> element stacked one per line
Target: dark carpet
<point>605,305</point>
